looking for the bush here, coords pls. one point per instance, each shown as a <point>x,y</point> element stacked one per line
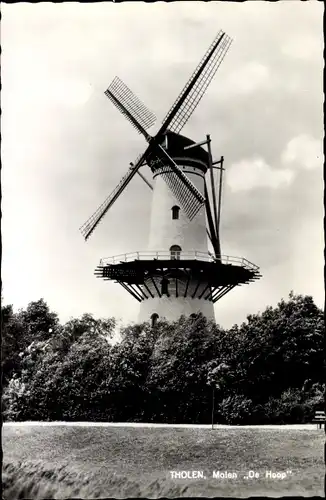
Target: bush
<point>294,406</point>
<point>13,399</point>
<point>236,409</point>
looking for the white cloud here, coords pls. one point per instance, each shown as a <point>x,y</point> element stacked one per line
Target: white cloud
<point>248,78</point>
<point>303,47</point>
<point>70,92</point>
<point>42,82</point>
<point>252,173</point>
<point>304,151</point>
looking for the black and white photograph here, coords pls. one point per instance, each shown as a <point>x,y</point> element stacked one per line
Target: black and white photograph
<point>162,295</point>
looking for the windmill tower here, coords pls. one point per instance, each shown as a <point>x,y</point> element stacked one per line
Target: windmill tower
<point>176,274</point>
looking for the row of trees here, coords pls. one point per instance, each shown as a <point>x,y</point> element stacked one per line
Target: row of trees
<point>267,370</point>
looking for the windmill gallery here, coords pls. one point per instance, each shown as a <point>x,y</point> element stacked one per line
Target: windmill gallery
<point>177,274</point>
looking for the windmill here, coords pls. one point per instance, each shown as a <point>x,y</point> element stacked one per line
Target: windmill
<point>177,274</point>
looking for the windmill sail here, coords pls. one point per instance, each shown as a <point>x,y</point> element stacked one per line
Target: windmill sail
<point>88,227</point>
<point>194,90</point>
<point>194,97</point>
<point>129,105</point>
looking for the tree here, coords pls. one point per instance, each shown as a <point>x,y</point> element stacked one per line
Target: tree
<point>177,380</point>
<point>218,376</point>
<point>280,348</point>
<point>13,341</point>
<point>39,321</point>
<point>20,329</point>
<point>61,375</point>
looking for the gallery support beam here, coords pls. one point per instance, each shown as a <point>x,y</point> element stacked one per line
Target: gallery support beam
<point>148,290</point>
<point>130,291</point>
<point>187,285</point>
<point>198,283</point>
<point>155,286</point>
<point>204,291</point>
<point>141,291</point>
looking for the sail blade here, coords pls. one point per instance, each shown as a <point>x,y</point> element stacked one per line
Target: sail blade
<point>88,227</point>
<point>195,88</point>
<point>130,106</point>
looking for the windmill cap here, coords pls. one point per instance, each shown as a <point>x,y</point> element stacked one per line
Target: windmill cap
<point>196,157</point>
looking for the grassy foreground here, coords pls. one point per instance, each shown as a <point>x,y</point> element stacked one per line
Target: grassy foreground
<point>94,462</point>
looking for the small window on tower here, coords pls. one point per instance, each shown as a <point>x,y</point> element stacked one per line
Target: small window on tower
<point>154,318</point>
<point>175,251</point>
<point>175,212</point>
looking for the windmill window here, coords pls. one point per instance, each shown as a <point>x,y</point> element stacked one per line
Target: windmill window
<point>175,212</point>
<point>175,251</point>
<point>154,318</point>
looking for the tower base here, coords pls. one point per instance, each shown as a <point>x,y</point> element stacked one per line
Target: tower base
<point>171,308</point>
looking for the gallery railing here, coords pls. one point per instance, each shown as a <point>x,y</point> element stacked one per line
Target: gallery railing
<point>183,255</point>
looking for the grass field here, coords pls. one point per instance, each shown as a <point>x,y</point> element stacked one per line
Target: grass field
<point>94,462</point>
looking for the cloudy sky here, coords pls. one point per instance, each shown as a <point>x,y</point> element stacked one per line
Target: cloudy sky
<point>65,146</point>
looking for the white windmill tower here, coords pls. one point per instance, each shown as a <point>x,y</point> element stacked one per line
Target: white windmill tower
<point>176,274</point>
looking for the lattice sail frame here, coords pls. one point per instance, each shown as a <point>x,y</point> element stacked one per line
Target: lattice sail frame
<point>197,91</point>
<point>131,102</point>
<point>88,227</point>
